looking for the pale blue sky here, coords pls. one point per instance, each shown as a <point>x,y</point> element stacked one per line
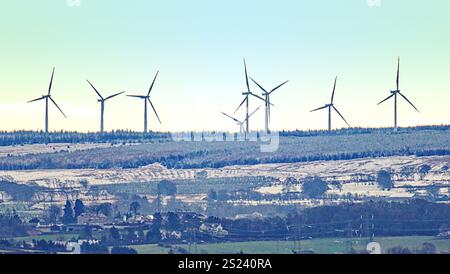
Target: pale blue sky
<point>198,47</point>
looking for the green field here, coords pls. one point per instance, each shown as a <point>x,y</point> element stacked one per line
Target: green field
<point>319,246</point>
<point>49,237</point>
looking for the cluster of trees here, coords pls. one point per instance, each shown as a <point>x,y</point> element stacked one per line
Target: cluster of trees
<point>314,187</point>
<point>131,204</point>
<point>427,248</point>
<point>18,192</point>
<point>226,195</point>
<point>69,213</point>
<point>12,226</point>
<point>42,245</point>
<point>93,248</point>
<point>353,131</point>
<point>48,246</point>
<point>167,227</point>
<point>416,217</point>
<point>100,248</point>
<point>384,179</point>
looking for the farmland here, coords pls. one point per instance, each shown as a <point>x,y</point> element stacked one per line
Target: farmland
<point>319,246</point>
<point>262,186</point>
<point>105,172</point>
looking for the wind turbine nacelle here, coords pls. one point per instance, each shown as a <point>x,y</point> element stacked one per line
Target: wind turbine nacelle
<point>395,91</point>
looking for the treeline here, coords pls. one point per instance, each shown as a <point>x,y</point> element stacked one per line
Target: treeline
<point>23,137</point>
<point>8,138</point>
<point>94,158</point>
<point>359,130</point>
<point>416,217</point>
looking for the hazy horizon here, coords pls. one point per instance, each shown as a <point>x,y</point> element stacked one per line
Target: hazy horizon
<point>198,48</point>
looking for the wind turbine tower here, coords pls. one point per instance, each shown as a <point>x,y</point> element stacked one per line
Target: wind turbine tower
<point>147,101</point>
<point>247,100</point>
<point>395,93</point>
<point>241,123</point>
<point>47,98</point>
<point>267,94</point>
<point>332,107</point>
<point>102,105</point>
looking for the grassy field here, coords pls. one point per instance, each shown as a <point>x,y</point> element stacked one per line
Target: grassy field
<point>318,246</point>
<point>50,237</point>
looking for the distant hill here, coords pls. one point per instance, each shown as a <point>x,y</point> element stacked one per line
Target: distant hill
<point>294,147</point>
<point>8,138</point>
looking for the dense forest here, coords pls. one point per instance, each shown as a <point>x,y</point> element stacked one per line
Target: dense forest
<point>22,137</point>
<point>353,131</point>
<point>39,137</point>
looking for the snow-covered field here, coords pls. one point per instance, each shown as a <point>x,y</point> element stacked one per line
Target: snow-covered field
<point>19,150</point>
<point>342,171</point>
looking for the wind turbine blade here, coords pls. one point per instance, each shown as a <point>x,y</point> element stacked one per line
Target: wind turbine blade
<point>153,107</point>
<point>245,99</point>
<point>51,82</point>
<point>96,91</point>
<point>246,76</point>
<point>318,108</point>
<point>398,74</point>
<point>38,99</point>
<point>57,106</point>
<point>112,96</point>
<point>231,117</point>
<point>251,114</point>
<point>153,83</point>
<point>258,85</point>
<point>259,97</point>
<point>341,116</point>
<point>392,95</point>
<point>137,96</point>
<point>334,90</point>
<point>404,97</point>
<point>279,86</point>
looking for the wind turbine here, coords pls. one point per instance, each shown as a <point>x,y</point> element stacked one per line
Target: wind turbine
<point>267,101</point>
<point>147,98</point>
<point>241,123</point>
<point>246,100</point>
<point>394,94</point>
<point>102,104</point>
<point>331,107</point>
<point>47,98</point>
